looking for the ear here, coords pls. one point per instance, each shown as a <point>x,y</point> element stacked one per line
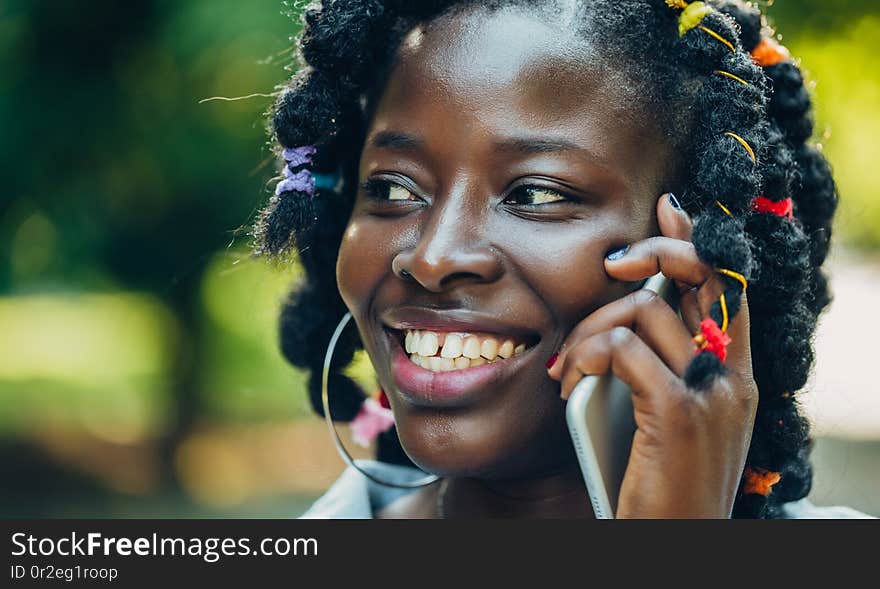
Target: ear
<point>674,222</point>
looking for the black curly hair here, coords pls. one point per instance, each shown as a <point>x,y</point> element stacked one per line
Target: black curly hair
<point>713,100</point>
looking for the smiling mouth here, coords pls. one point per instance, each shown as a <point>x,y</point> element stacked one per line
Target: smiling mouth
<point>441,351</point>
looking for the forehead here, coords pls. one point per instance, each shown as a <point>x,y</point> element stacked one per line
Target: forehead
<point>479,74</point>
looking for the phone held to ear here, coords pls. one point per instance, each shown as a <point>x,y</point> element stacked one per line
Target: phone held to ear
<point>601,423</point>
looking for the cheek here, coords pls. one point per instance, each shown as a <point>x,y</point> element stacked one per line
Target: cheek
<point>564,264</point>
<point>360,264</point>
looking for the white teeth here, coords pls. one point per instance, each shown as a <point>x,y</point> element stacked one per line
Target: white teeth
<point>446,364</point>
<point>429,343</point>
<point>452,346</point>
<point>416,338</point>
<point>462,362</point>
<point>438,364</point>
<point>471,348</point>
<point>489,348</point>
<point>457,351</point>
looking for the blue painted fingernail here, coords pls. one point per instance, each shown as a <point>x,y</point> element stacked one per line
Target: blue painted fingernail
<point>674,202</point>
<point>617,254</point>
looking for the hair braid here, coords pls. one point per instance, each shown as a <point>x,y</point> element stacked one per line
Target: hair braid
<point>789,288</point>
<point>725,176</point>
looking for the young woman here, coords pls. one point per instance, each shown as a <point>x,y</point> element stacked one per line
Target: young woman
<point>485,186</point>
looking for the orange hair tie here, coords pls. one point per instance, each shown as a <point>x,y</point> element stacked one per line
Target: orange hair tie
<point>757,481</point>
<point>768,52</point>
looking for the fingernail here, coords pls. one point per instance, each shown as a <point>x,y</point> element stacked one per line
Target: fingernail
<point>674,202</point>
<point>552,361</point>
<point>617,254</point>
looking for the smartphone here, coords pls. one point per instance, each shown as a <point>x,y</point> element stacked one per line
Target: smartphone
<point>601,423</point>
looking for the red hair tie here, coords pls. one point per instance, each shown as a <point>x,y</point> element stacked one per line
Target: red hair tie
<point>712,339</point>
<point>757,481</point>
<point>782,208</point>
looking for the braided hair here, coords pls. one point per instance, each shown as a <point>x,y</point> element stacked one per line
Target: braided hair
<point>732,103</point>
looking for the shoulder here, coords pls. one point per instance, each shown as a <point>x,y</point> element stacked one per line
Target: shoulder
<point>354,496</point>
<point>804,509</point>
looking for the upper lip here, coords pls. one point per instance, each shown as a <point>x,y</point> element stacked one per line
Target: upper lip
<point>452,320</point>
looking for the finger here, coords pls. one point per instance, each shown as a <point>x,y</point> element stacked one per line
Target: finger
<point>690,308</point>
<point>675,258</point>
<point>673,220</point>
<point>621,352</point>
<point>739,351</point>
<point>650,317</point>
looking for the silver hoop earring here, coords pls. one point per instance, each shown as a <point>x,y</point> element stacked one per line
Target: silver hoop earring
<point>325,400</point>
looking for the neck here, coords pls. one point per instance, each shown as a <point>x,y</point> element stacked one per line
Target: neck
<point>557,495</point>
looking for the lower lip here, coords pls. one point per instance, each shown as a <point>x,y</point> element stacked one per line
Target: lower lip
<point>448,388</point>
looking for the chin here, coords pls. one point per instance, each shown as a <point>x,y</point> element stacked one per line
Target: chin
<point>461,444</point>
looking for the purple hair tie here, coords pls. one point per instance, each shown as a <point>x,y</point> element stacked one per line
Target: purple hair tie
<point>301,181</point>
<point>297,156</point>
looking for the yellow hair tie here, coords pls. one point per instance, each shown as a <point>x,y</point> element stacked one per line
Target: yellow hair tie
<point>735,275</point>
<point>678,4</point>
<point>732,77</point>
<point>723,208</point>
<point>745,144</point>
<point>692,16</point>
<point>709,31</point>
<point>724,318</point>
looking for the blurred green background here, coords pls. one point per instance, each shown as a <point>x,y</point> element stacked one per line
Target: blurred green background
<point>139,374</point>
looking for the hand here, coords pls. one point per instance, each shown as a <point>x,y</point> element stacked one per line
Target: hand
<point>690,446</point>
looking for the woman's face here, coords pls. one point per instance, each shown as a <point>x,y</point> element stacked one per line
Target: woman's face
<point>504,161</point>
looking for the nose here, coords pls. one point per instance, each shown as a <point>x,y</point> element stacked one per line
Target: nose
<point>451,250</point>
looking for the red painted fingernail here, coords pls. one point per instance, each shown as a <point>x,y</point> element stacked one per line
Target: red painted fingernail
<point>552,361</point>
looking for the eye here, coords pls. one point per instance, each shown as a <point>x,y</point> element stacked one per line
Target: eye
<point>535,196</point>
<point>385,190</point>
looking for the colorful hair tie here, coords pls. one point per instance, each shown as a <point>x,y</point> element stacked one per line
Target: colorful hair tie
<point>301,181</point>
<point>736,276</point>
<point>768,52</point>
<point>732,77</point>
<point>782,208</point>
<point>745,144</point>
<point>718,37</point>
<point>692,16</point>
<point>712,339</point>
<point>383,399</point>
<point>758,481</point>
<point>725,318</point>
<point>297,156</point>
<point>723,208</point>
<point>374,418</point>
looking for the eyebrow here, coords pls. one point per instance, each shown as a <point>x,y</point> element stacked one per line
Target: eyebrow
<point>536,145</point>
<point>396,141</point>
